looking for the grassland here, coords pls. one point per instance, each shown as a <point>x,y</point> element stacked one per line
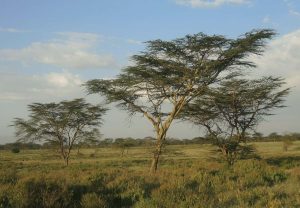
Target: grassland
<point>188,176</point>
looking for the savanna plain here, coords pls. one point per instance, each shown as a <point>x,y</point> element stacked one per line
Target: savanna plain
<point>188,176</point>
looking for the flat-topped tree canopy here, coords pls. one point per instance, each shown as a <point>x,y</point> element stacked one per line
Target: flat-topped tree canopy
<point>182,67</point>
<point>176,72</point>
<point>233,109</point>
<point>64,123</point>
<point>237,106</point>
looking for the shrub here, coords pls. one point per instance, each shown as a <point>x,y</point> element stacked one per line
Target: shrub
<point>15,150</point>
<point>253,173</point>
<point>43,192</point>
<point>190,184</point>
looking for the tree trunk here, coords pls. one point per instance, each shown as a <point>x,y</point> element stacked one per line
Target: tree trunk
<point>154,164</point>
<point>64,155</point>
<point>67,161</point>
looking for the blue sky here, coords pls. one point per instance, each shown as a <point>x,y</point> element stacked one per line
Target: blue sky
<point>49,48</point>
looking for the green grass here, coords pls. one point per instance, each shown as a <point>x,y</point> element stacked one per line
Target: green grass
<point>188,176</point>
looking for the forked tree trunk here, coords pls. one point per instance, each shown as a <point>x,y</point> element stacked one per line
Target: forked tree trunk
<point>66,156</point>
<point>67,161</point>
<point>154,163</point>
<point>161,131</point>
<point>156,154</point>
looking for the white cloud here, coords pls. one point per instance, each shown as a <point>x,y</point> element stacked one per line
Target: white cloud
<point>70,50</point>
<point>209,3</point>
<point>46,87</point>
<point>282,58</point>
<point>63,79</point>
<point>19,90</point>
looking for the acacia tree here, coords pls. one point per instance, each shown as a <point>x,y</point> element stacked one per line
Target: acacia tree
<point>91,138</point>
<point>63,124</point>
<point>232,111</point>
<point>124,144</point>
<point>170,74</point>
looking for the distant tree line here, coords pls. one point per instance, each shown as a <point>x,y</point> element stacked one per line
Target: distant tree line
<point>128,142</point>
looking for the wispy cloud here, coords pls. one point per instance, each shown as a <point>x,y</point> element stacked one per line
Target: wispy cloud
<point>68,50</point>
<point>80,37</point>
<point>266,20</point>
<point>291,7</point>
<point>12,30</point>
<point>135,42</point>
<point>293,12</point>
<point>209,3</point>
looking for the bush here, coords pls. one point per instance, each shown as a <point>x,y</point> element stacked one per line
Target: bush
<point>15,150</point>
<point>232,151</point>
<point>43,192</point>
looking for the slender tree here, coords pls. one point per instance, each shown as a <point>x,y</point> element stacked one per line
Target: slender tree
<point>91,138</point>
<point>232,110</point>
<point>170,74</point>
<point>63,124</point>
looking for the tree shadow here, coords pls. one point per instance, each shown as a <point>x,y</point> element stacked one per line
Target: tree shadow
<point>285,161</point>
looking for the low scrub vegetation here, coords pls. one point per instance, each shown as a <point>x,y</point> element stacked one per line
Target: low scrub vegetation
<point>187,178</point>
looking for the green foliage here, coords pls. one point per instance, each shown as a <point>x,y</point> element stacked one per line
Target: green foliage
<point>62,124</point>
<point>15,150</point>
<point>285,161</point>
<point>52,121</point>
<point>237,106</point>
<point>170,74</point>
<point>231,151</point>
<point>178,71</point>
<point>44,193</point>
<point>124,144</point>
<point>229,112</point>
<point>241,186</point>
